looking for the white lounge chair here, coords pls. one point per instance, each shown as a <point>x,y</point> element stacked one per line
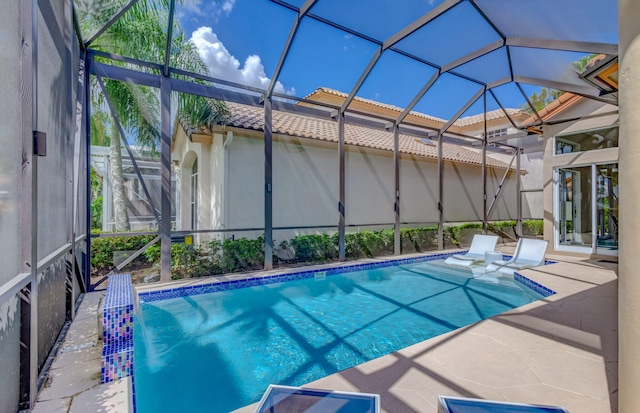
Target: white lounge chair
<point>479,245</point>
<point>529,253</point>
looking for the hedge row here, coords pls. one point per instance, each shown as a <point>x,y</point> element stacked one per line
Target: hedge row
<point>219,257</point>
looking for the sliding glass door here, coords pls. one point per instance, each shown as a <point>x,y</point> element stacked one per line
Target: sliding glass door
<point>587,209</point>
<point>607,208</point>
<point>575,223</point>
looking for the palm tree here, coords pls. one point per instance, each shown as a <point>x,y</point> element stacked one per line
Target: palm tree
<point>141,33</point>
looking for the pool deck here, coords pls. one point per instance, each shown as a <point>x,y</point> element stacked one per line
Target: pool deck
<point>561,350</point>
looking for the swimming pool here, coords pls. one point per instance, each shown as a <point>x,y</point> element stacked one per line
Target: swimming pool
<point>219,351</point>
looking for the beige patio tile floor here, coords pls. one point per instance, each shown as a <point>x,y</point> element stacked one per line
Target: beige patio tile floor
<point>561,350</point>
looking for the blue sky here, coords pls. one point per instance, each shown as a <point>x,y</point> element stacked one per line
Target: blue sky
<point>241,40</point>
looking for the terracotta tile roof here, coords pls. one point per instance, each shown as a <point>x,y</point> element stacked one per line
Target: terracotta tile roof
<point>492,115</point>
<point>330,91</point>
<point>285,123</point>
<point>554,108</point>
<point>462,122</point>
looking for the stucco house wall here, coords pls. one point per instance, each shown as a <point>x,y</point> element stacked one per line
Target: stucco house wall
<point>306,182</point>
<point>583,107</point>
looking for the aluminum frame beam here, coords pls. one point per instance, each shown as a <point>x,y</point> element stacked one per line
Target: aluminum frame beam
<point>341,188</point>
<point>396,203</point>
<point>533,109</point>
<point>519,194</point>
<point>417,98</point>
<point>498,32</point>
<point>268,185</point>
<point>516,135</point>
<point>134,256</point>
<point>109,22</point>
<point>125,75</point>
<point>374,59</point>
<point>304,9</point>
<point>34,290</point>
<point>419,23</point>
<point>485,213</point>
<point>123,136</point>
<point>499,82</point>
<point>164,224</point>
<point>503,109</point>
<point>462,110</point>
<point>567,45</point>
<point>375,41</point>
<point>92,53</point>
<point>77,156</point>
<point>76,25</point>
<point>473,55</point>
<point>502,181</point>
<point>440,193</point>
<point>87,135</point>
<point>393,40</point>
<point>584,91</point>
<point>25,285</point>
<point>167,50</point>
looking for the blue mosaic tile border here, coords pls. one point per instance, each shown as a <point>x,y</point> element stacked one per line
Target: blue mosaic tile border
<point>119,292</point>
<point>118,309</point>
<point>527,282</point>
<point>185,291</point>
<point>117,319</point>
<point>117,361</point>
<point>178,292</point>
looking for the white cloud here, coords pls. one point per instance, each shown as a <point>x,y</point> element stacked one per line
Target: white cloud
<point>211,10</point>
<point>227,6</point>
<point>222,64</point>
<point>194,6</point>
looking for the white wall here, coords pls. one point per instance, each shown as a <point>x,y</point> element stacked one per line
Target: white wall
<point>418,190</point>
<point>306,185</point>
<point>210,198</point>
<point>369,187</point>
<point>244,193</point>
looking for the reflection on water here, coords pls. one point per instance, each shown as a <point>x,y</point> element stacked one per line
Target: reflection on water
<point>218,352</point>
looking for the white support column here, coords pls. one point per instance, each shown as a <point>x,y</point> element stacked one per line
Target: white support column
<point>629,184</point>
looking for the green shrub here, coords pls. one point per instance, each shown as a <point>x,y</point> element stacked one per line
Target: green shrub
<point>102,249</point>
<point>369,244</point>
<point>313,248</point>
<point>533,227</point>
<point>418,239</point>
<point>96,212</point>
<point>242,254</point>
<point>218,257</point>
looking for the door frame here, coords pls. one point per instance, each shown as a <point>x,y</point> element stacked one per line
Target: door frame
<point>593,249</point>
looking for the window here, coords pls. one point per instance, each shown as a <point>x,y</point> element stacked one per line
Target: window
<point>587,140</point>
<point>497,132</point>
<point>134,188</point>
<point>194,195</point>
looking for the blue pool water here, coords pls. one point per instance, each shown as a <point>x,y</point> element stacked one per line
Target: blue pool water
<point>217,352</point>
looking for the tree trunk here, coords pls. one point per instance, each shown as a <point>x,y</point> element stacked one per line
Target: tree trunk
<point>120,215</point>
